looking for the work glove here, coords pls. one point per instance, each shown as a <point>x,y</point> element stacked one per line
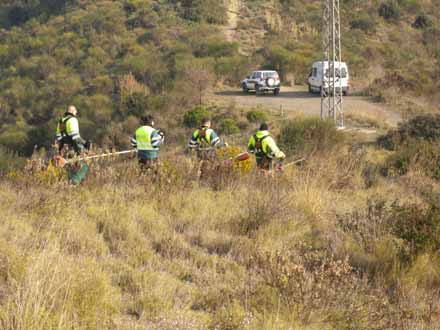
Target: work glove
<point>162,135</point>
<point>281,156</point>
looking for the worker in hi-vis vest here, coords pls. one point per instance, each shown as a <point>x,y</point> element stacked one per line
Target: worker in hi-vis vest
<point>67,133</point>
<point>147,140</point>
<point>204,140</point>
<point>265,149</point>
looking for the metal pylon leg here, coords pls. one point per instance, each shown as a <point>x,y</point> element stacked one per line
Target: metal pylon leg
<point>331,90</point>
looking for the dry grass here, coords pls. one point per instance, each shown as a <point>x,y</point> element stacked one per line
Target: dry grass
<point>305,250</point>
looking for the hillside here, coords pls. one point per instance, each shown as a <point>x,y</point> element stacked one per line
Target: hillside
<point>116,59</point>
<point>392,47</point>
<point>348,238</point>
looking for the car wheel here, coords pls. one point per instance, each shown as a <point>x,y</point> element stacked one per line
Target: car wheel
<point>345,93</point>
<point>245,89</point>
<point>276,91</point>
<point>257,90</point>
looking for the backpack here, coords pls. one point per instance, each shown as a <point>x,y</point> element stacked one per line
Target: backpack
<point>259,143</point>
<point>63,125</point>
<point>202,135</point>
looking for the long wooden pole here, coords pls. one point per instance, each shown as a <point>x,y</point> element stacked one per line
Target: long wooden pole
<point>73,160</point>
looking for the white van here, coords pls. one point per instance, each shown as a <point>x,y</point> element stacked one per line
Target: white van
<point>318,69</point>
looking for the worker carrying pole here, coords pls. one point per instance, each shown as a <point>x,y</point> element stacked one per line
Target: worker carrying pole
<point>147,140</point>
<point>265,149</point>
<point>70,144</point>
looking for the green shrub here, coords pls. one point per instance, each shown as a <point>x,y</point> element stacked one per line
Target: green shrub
<point>136,104</point>
<point>365,24</point>
<point>256,116</point>
<point>389,10</point>
<point>422,127</point>
<point>422,21</point>
<point>193,117</point>
<point>418,226</point>
<point>14,139</point>
<point>304,136</point>
<point>228,126</point>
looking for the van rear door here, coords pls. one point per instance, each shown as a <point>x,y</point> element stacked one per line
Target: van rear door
<point>314,79</point>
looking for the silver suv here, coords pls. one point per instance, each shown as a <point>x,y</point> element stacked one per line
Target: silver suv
<point>262,81</point>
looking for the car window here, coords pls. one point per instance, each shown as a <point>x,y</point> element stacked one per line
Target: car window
<point>344,73</point>
<point>257,75</point>
<point>337,73</point>
<point>315,72</point>
<point>270,75</point>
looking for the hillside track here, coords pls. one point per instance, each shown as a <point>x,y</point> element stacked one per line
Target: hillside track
<point>298,100</point>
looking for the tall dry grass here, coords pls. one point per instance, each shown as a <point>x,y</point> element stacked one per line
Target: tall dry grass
<point>316,247</point>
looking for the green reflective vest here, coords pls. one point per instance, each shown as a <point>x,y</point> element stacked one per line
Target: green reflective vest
<point>143,138</point>
<point>264,145</point>
<point>203,137</point>
<point>68,126</point>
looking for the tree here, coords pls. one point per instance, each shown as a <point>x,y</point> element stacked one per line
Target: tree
<point>200,76</point>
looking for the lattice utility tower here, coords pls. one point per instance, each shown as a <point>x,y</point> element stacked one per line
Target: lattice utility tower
<point>331,91</point>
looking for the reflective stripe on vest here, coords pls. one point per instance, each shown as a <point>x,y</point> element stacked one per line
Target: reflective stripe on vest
<point>143,138</point>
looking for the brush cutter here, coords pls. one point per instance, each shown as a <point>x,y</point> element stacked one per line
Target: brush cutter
<point>239,158</point>
<point>60,161</point>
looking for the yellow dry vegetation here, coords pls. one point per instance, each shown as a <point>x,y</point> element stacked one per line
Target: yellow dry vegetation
<point>323,245</point>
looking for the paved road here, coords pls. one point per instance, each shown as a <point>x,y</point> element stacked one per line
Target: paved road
<point>298,100</point>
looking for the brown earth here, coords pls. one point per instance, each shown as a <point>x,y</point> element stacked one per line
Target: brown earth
<point>296,100</point>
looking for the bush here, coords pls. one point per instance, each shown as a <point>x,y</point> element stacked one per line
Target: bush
<point>365,24</point>
<point>193,117</point>
<point>422,22</point>
<point>14,139</point>
<point>305,136</point>
<point>389,10</point>
<point>306,281</point>
<point>418,226</point>
<point>423,127</point>
<point>416,143</point>
<point>228,126</point>
<point>420,155</point>
<point>256,116</point>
